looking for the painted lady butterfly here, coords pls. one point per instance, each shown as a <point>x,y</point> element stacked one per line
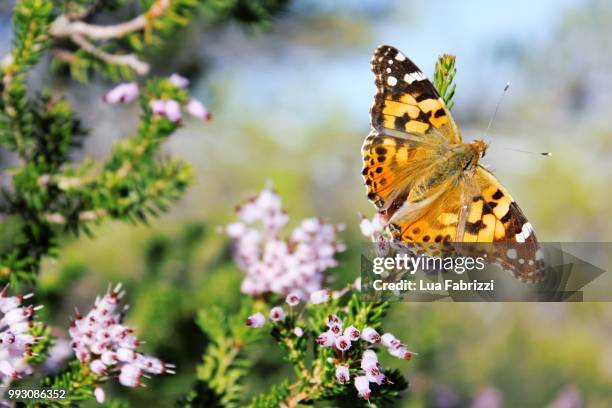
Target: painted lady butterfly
<point>426,183</point>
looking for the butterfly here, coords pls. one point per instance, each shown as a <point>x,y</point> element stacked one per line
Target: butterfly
<point>427,183</point>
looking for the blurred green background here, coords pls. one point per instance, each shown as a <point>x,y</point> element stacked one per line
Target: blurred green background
<point>290,105</point>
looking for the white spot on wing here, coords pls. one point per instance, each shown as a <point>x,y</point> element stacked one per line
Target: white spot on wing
<point>511,253</point>
<point>400,57</point>
<point>392,80</point>
<point>414,76</point>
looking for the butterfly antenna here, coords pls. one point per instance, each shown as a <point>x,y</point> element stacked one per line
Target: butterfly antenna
<point>529,152</point>
<point>496,108</point>
<point>547,154</point>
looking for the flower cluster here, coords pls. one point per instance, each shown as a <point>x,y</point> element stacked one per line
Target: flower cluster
<point>169,108</point>
<point>369,371</point>
<point>274,264</point>
<point>15,341</point>
<point>100,340</point>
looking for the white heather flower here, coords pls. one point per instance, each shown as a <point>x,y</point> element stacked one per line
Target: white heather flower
<point>196,109</point>
<point>389,340</point>
<point>370,335</point>
<point>298,331</point>
<point>335,329</point>
<point>342,374</point>
<point>293,299</point>
<point>320,296</point>
<point>343,343</point>
<point>368,356</point>
<point>277,313</point>
<point>325,339</point>
<point>100,395</point>
<point>15,342</point>
<point>179,80</point>
<point>372,228</point>
<point>271,263</point>
<point>333,320</point>
<point>172,110</point>
<point>100,340</point>
<point>352,333</point>
<point>363,386</point>
<point>256,320</point>
<point>401,352</point>
<point>235,230</point>
<point>122,93</point>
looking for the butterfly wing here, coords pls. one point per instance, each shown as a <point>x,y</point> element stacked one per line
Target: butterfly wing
<point>475,208</point>
<point>406,101</point>
<point>412,129</point>
<point>391,164</point>
<point>490,214</point>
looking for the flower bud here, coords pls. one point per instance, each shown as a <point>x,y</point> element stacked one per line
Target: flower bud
<point>293,299</point>
<point>179,80</point>
<point>277,313</point>
<point>256,320</point>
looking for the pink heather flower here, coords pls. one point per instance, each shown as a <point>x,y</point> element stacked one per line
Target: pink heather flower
<point>378,378</point>
<point>273,264</point>
<point>15,342</point>
<point>389,340</point>
<point>59,353</point>
<point>172,111</point>
<point>372,228</point>
<point>100,395</point>
<point>335,329</point>
<point>352,333</point>
<point>179,80</point>
<point>277,313</point>
<point>256,320</point>
<point>363,386</point>
<point>122,93</point>
<point>368,356</point>
<point>325,339</point>
<point>333,320</point>
<point>401,352</point>
<point>158,106</point>
<point>320,296</point>
<point>293,299</point>
<point>196,109</point>
<point>343,343</point>
<point>298,331</point>
<point>370,335</point>
<point>342,374</point>
<point>100,340</point>
<point>369,364</point>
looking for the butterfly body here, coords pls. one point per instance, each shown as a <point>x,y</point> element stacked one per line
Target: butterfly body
<point>425,181</point>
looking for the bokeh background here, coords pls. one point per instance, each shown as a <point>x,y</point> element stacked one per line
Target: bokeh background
<point>290,103</point>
